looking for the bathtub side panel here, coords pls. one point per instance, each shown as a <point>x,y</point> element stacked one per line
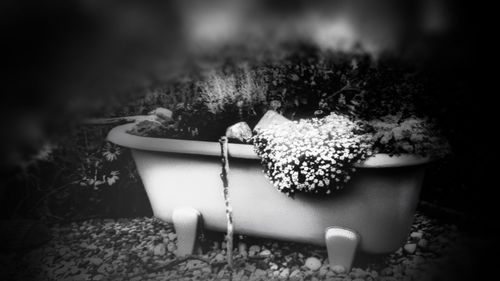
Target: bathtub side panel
<point>175,181</point>
<point>378,203</point>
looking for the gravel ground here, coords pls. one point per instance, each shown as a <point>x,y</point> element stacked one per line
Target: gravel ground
<point>142,249</point>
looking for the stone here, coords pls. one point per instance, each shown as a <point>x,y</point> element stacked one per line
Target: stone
<point>338,269</point>
<point>296,275</point>
<point>270,118</point>
<point>416,235</point>
<point>313,263</point>
<point>265,253</point>
<point>253,250</point>
<point>95,261</point>
<point>275,104</point>
<point>250,267</point>
<point>410,248</point>
<point>163,113</point>
<point>260,273</point>
<point>423,243</point>
<point>171,247</point>
<point>323,270</point>
<point>159,250</point>
<point>192,264</point>
<point>358,273</point>
<point>284,273</point>
<point>239,131</point>
<point>242,247</point>
<point>218,258</point>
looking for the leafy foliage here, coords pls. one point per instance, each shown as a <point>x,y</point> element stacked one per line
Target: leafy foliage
<point>395,135</point>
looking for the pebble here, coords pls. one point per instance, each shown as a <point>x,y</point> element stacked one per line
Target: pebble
<point>90,253</point>
<point>338,269</point>
<point>159,250</point>
<point>323,270</point>
<point>313,263</point>
<point>218,258</point>
<point>250,267</point>
<point>265,253</point>
<point>285,273</point>
<point>242,247</point>
<point>423,243</point>
<point>171,247</point>
<point>416,235</point>
<point>95,261</point>
<point>410,248</point>
<point>358,273</point>
<point>296,275</point>
<point>254,248</point>
<point>260,273</point>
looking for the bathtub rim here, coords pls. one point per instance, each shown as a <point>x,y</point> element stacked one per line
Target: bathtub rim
<point>118,135</point>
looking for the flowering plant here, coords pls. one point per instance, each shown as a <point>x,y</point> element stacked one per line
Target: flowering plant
<point>312,155</point>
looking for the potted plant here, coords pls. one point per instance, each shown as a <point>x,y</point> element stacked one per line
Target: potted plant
<point>348,177</point>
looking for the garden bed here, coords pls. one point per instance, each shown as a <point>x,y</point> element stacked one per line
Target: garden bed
<point>142,249</point>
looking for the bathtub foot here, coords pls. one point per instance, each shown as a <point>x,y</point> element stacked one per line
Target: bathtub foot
<point>186,223</point>
<point>341,244</point>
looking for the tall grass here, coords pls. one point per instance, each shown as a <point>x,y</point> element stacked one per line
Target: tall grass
<point>243,89</point>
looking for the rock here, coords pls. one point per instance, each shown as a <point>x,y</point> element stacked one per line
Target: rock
<point>275,104</point>
<point>253,250</point>
<point>260,273</point>
<point>338,269</point>
<point>323,270</point>
<point>313,263</point>
<point>163,113</point>
<point>98,277</point>
<point>423,243</point>
<point>242,247</point>
<point>358,273</point>
<point>284,273</point>
<point>265,253</point>
<point>250,267</point>
<point>95,261</point>
<point>410,248</point>
<point>159,250</point>
<point>192,264</point>
<point>387,271</point>
<point>416,235</point>
<point>270,118</point>
<point>171,247</point>
<point>218,258</point>
<point>239,131</point>
<point>296,275</point>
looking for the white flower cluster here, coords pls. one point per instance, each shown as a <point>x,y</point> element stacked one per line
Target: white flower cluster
<point>311,156</point>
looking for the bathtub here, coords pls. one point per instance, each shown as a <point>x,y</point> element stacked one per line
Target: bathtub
<point>373,213</point>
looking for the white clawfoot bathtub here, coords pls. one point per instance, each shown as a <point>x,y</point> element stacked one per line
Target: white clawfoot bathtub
<point>373,213</point>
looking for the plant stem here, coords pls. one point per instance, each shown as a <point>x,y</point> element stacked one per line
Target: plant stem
<point>229,212</point>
